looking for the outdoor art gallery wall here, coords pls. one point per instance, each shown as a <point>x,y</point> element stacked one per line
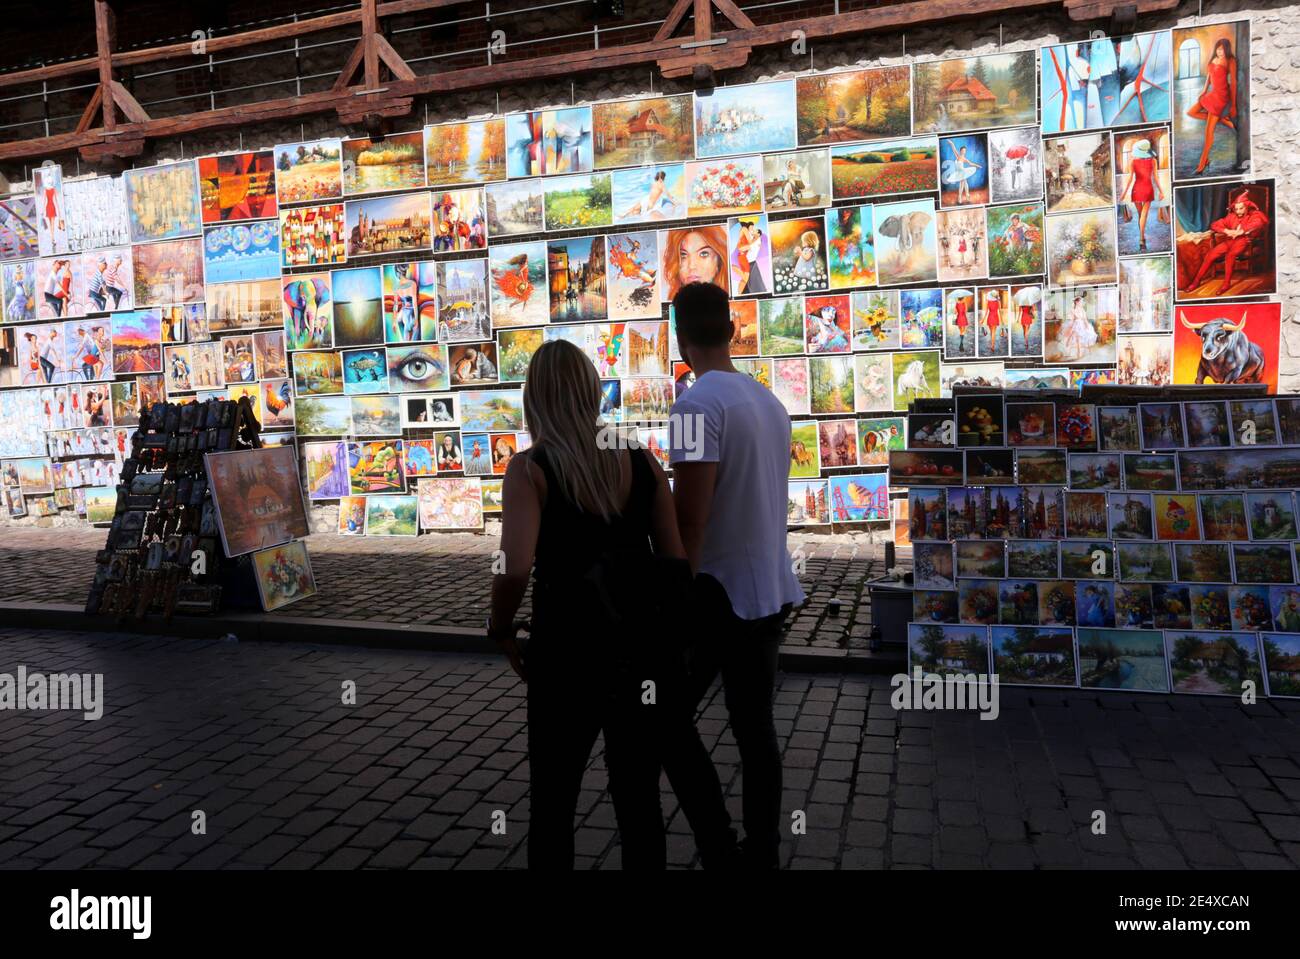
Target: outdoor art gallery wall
<point>1275,65</point>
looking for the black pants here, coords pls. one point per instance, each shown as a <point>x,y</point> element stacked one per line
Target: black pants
<point>745,653</point>
<point>575,692</point>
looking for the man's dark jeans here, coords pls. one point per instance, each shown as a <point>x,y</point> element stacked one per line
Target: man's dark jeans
<point>745,653</point>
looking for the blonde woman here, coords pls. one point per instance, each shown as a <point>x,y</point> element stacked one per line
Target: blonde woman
<point>578,511</point>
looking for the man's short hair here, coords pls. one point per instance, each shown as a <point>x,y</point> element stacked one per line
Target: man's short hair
<point>703,314</point>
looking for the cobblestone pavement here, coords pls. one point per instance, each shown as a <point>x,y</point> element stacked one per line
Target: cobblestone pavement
<point>255,736</point>
<point>442,579</point>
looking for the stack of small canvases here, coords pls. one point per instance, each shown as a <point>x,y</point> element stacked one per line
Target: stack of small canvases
<point>1067,214</point>
<point>1141,546</point>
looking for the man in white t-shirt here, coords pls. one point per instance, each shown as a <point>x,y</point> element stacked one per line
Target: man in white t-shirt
<point>730,453</point>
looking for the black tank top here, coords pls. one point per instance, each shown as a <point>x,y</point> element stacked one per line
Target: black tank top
<point>570,541</point>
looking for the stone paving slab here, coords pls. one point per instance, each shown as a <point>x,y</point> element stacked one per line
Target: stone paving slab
<point>442,579</point>
<point>256,736</point>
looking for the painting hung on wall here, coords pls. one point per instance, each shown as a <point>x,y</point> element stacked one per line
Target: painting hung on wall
<point>19,280</point>
<point>850,252</point>
<point>1081,248</point>
<point>1143,192</point>
<point>1228,343</point>
<point>873,380</point>
<point>827,324</point>
<point>18,227</point>
<point>906,243</point>
<point>916,375</point>
<point>513,207</point>
<point>110,279</point>
<point>418,369</point>
<point>51,210</point>
<point>1080,326</point>
<point>358,306</point>
<point>137,342</point>
<point>576,275</point>
<point>746,118</point>
<point>648,193</point>
<point>1015,165</point>
<point>965,177</point>
<point>389,224</point>
<point>1015,240</point>
<point>866,170</point>
<point>728,187</point>
<point>854,105</point>
<point>693,255</point>
<point>243,251</point>
<point>1212,127</point>
<point>409,307</point>
<point>543,142</point>
<point>963,254</point>
<point>633,273</point>
<point>643,131</point>
<point>876,320</point>
<point>96,213</point>
<point>780,326</point>
<point>241,306</point>
<point>309,171</point>
<point>578,202</point>
<point>459,222</point>
<point>1146,294</point>
<point>975,93</point>
<point>799,256</point>
<point>517,284</point>
<point>469,152</point>
<point>923,311</point>
<point>1225,240</point>
<point>1078,171</point>
<point>462,300</point>
<point>958,324</point>
<point>451,502</point>
<point>750,255</point>
<point>308,308</point>
<point>237,186</point>
<point>62,287</point>
<point>168,272</point>
<point>394,163</point>
<point>1106,82</point>
<point>1145,360</point>
<point>796,180</point>
<point>162,202</point>
<point>1025,321</point>
<point>313,235</point>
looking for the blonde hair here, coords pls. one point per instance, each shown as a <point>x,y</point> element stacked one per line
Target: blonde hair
<point>562,407</point>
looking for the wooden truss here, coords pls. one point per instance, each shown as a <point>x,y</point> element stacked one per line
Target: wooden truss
<point>364,95</point>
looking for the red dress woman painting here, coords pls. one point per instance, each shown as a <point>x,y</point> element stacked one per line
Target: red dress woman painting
<point>1218,101</point>
<point>962,320</point>
<point>993,316</point>
<point>1142,186</point>
<point>1026,321</point>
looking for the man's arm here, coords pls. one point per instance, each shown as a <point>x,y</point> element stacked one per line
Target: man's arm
<point>693,485</point>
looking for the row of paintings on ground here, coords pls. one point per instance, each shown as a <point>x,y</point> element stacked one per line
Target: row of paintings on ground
<point>1180,659</point>
<point>941,564</point>
<point>1197,78</point>
<point>1049,513</point>
<point>998,420</point>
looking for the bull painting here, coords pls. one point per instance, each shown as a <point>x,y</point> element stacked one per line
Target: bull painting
<point>1227,355</point>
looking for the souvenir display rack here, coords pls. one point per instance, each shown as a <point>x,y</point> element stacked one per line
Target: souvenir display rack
<point>163,553</point>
